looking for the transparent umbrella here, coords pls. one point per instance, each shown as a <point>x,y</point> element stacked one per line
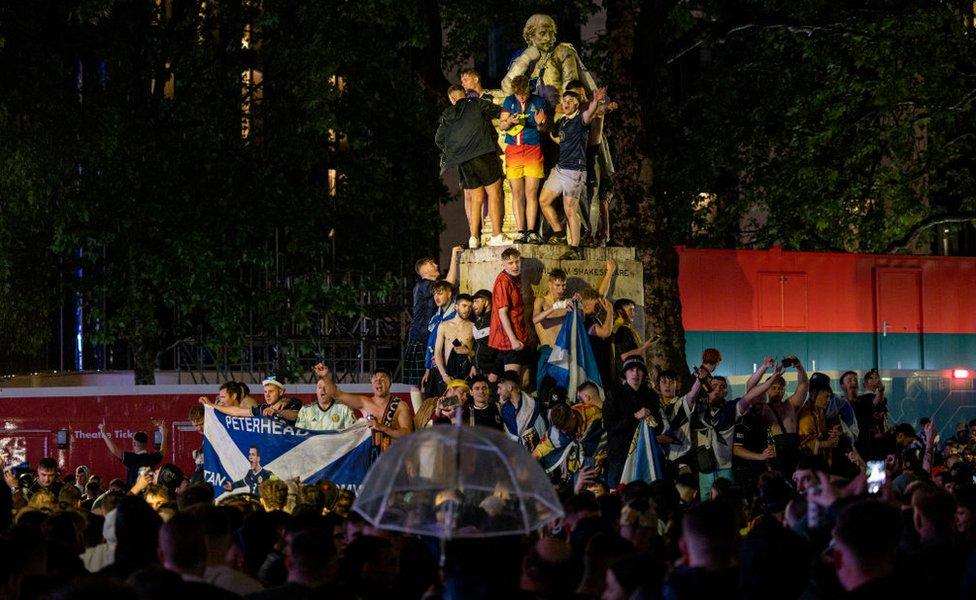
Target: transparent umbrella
<point>457,482</point>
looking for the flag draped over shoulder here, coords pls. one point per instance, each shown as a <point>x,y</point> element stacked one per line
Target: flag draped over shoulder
<point>439,316</point>
<point>572,361</point>
<point>645,459</point>
<point>285,451</point>
<point>559,450</point>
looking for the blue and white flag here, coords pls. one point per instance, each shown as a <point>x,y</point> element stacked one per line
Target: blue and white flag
<point>241,452</point>
<point>572,361</point>
<point>645,461</point>
<point>841,408</point>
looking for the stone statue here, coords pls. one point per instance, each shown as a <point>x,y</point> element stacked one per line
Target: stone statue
<point>549,66</point>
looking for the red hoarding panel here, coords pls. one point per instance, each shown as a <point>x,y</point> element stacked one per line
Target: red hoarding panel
<point>725,290</point>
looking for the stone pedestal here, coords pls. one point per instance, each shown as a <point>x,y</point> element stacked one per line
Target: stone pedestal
<point>480,267</point>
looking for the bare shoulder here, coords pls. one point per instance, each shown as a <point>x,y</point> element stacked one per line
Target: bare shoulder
<point>404,407</point>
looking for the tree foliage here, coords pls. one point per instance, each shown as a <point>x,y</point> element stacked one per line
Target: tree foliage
<point>813,125</point>
<point>124,158</point>
<point>818,126</point>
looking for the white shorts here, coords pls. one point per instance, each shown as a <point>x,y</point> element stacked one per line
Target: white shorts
<point>571,184</point>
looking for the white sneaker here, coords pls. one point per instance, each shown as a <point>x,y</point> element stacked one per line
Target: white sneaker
<point>499,240</point>
<point>474,242</point>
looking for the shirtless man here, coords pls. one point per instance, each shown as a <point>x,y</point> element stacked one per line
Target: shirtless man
<point>388,417</point>
<point>453,351</point>
<point>547,315</point>
<point>781,415</point>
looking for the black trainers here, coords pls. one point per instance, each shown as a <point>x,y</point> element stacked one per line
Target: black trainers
<point>557,239</point>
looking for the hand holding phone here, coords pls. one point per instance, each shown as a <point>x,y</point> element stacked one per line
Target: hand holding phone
<point>876,476</point>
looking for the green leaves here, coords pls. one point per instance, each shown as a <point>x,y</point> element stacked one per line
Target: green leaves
<point>837,124</point>
<point>183,227</point>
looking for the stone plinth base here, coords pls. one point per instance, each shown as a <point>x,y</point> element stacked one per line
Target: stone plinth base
<point>480,267</point>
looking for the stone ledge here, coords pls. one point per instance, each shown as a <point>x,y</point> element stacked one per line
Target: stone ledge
<point>548,252</point>
<point>480,267</point>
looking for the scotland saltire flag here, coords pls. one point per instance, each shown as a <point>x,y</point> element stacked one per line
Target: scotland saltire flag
<point>572,362</point>
<point>645,461</point>
<point>841,408</point>
<point>241,452</point>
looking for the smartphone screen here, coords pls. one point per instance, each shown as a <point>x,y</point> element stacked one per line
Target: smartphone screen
<point>157,438</point>
<point>876,476</point>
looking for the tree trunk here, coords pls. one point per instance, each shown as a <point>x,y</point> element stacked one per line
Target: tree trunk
<point>638,218</point>
<point>143,362</point>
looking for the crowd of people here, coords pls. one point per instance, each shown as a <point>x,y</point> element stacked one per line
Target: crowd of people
<point>553,160</point>
<point>779,493</point>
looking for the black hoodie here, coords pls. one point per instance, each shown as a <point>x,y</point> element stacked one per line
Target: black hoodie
<point>465,131</point>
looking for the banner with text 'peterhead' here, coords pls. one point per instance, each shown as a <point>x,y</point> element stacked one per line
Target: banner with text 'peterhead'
<point>242,452</point>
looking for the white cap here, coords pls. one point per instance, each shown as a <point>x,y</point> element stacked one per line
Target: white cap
<point>273,381</point>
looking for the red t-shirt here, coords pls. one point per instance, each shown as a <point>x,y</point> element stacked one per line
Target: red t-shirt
<point>507,292</point>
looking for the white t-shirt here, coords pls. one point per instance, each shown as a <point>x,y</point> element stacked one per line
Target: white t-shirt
<point>338,416</point>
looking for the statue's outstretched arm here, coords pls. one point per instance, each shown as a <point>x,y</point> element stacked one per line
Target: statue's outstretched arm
<point>520,66</point>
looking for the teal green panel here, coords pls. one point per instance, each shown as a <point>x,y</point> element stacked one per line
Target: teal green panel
<point>949,350</point>
<point>742,349</point>
<point>831,351</point>
<point>900,351</point>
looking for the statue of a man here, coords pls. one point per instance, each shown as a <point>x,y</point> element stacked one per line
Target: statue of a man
<point>549,66</point>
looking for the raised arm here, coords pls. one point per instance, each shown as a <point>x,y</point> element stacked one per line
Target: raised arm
<point>689,399</point>
<point>802,385</point>
<point>879,397</point>
<point>767,364</point>
<point>756,393</point>
<point>607,277</point>
<point>454,269</point>
<point>108,441</point>
<point>596,106</point>
<point>164,436</point>
<point>353,401</point>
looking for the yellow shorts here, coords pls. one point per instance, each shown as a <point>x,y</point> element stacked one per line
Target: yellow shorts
<point>523,161</point>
